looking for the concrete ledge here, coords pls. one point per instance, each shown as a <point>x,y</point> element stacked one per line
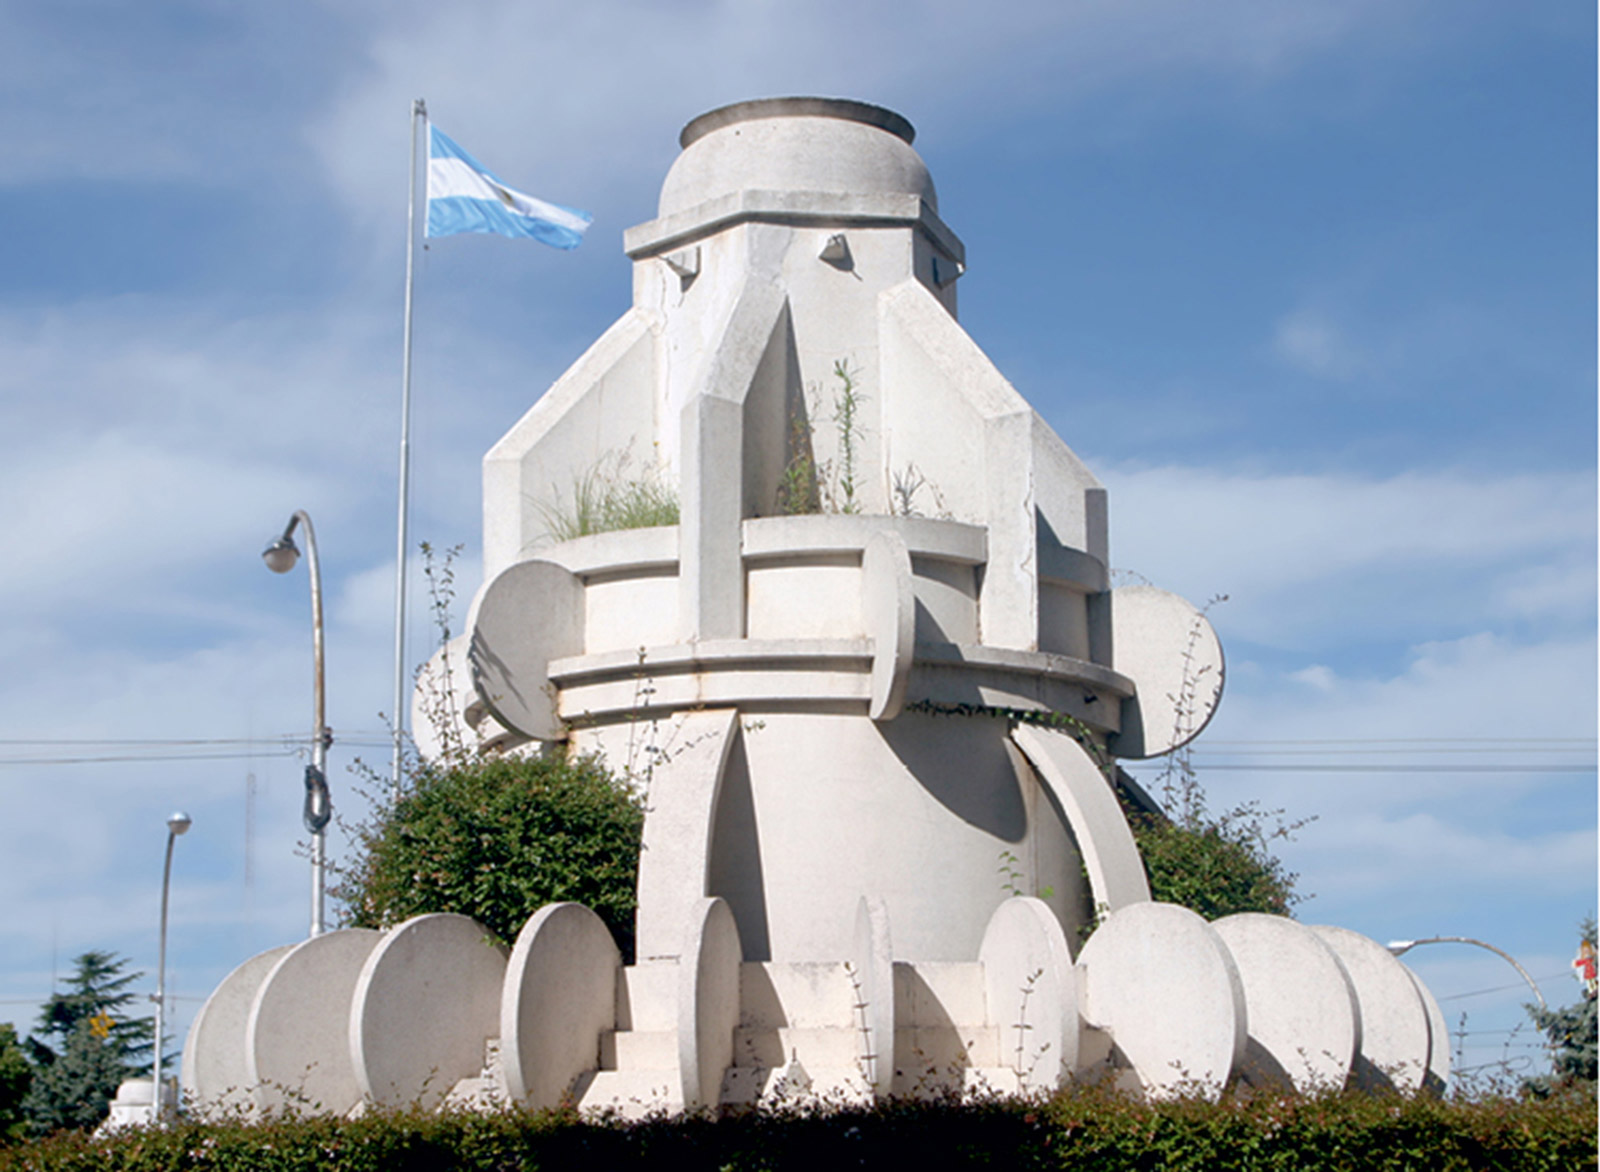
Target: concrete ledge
<point>1029,663</point>
<point>618,552</point>
<point>814,208</point>
<point>780,537</point>
<point>758,673</point>
<point>1072,567</point>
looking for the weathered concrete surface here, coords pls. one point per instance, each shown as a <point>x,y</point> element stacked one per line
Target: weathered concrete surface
<point>1396,1044</point>
<point>425,1004</point>
<point>1031,993</point>
<point>297,1040</point>
<point>558,998</point>
<point>1158,980</point>
<point>1304,1024</point>
<point>216,1074</point>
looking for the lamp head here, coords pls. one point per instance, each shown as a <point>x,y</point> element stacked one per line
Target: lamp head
<point>1398,946</point>
<point>281,555</point>
<point>179,822</point>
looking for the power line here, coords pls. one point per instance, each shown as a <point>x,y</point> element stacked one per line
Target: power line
<point>1375,767</point>
<point>1501,988</point>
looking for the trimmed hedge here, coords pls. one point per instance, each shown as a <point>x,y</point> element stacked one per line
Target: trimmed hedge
<point>1076,1129</point>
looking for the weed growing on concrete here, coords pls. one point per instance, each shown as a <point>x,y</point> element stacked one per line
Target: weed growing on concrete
<point>831,486</point>
<point>608,496</point>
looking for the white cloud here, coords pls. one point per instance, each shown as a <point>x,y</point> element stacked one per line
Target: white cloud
<point>1336,558</point>
<point>1311,342</point>
<point>590,98</point>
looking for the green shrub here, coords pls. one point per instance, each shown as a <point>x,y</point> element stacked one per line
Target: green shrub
<point>1076,1129</point>
<point>497,838</point>
<point>1217,868</point>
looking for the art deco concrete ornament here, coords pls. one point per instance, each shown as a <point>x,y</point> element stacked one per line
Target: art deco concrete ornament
<point>878,655</point>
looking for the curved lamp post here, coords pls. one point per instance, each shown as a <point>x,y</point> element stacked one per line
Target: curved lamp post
<point>281,557</point>
<point>177,824</point>
<point>1397,947</point>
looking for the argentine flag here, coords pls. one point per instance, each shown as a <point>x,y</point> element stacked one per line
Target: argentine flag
<point>464,196</point>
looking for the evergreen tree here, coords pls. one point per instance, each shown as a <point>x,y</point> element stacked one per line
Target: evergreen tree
<point>85,1045</point>
<point>1572,1033</point>
<point>15,1077</point>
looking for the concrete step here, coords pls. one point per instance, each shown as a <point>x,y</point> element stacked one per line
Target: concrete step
<point>485,1091</point>
<point>746,1086</point>
<point>629,1094</point>
<point>967,1082</point>
<point>647,996</point>
<point>942,1046</point>
<point>639,1050</point>
<point>939,993</point>
<point>801,994</point>
<point>816,1049</point>
<point>476,1094</point>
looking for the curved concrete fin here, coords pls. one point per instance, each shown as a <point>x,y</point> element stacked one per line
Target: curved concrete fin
<point>685,783</point>
<point>889,606</point>
<point>872,971</point>
<point>1116,873</point>
<point>708,1001</point>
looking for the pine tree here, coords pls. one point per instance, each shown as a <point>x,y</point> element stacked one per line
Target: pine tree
<point>1573,1041</point>
<point>15,1077</point>
<point>85,1045</point>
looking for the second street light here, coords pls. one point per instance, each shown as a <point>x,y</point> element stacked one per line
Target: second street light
<point>177,824</point>
<point>281,557</point>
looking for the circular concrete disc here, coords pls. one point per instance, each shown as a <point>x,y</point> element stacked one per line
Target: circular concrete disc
<point>1159,980</point>
<point>530,614</point>
<point>427,1000</point>
<point>559,995</point>
<point>1169,650</point>
<point>1395,1039</point>
<point>889,606</point>
<point>1031,989</point>
<point>215,1074</point>
<point>1437,1079</point>
<point>297,1042</point>
<point>1300,1009</point>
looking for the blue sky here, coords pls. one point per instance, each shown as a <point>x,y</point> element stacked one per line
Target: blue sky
<point>1311,287</point>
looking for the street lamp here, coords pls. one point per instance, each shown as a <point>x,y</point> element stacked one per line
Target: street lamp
<point>1399,947</point>
<point>177,824</point>
<point>281,557</point>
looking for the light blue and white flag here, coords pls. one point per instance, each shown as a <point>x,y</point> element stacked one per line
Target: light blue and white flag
<point>465,196</point>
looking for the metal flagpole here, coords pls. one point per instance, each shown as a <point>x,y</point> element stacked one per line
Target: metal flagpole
<point>419,116</point>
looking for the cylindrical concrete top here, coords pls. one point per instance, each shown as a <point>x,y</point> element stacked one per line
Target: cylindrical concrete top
<point>796,144</point>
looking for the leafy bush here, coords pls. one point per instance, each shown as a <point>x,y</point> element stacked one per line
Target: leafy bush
<point>1217,867</point>
<point>1082,1128</point>
<point>496,839</point>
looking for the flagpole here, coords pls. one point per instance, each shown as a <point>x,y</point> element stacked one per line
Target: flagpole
<point>419,115</point>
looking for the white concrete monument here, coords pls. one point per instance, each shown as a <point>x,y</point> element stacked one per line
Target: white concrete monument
<point>875,679</point>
